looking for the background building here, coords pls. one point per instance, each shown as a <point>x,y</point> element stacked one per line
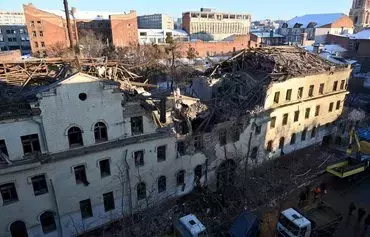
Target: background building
<point>12,18</point>
<point>360,14</point>
<point>158,36</point>
<point>262,39</point>
<point>208,25</point>
<point>155,21</point>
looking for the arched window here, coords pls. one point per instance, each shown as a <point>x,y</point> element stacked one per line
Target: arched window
<point>162,184</point>
<point>141,191</point>
<point>75,137</point>
<point>254,152</point>
<point>100,132</point>
<point>48,222</point>
<point>18,229</point>
<point>180,178</point>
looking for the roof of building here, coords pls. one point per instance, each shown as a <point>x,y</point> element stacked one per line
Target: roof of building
<point>365,35</point>
<point>86,15</point>
<point>267,35</point>
<point>319,19</point>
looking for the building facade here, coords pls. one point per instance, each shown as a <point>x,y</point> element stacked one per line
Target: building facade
<point>360,14</point>
<point>124,29</point>
<point>12,18</point>
<point>262,39</point>
<point>209,25</point>
<point>155,21</point>
<point>157,36</point>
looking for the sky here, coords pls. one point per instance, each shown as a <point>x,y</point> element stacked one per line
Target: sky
<point>259,9</point>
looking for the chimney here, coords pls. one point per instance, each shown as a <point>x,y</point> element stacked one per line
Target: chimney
<point>162,110</point>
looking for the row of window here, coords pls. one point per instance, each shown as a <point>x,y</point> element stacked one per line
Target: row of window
<point>288,94</point>
<point>42,44</point>
<point>32,23</point>
<point>41,33</point>
<point>14,39</point>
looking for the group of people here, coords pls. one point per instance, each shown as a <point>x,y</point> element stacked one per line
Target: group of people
<point>360,215</point>
<point>318,191</point>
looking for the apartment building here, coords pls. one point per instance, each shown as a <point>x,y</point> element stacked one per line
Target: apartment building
<point>210,25</point>
<point>360,14</point>
<point>155,21</point>
<point>12,18</point>
<point>157,36</point>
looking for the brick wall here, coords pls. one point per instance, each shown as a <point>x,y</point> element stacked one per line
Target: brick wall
<point>12,55</point>
<point>343,41</point>
<point>124,29</point>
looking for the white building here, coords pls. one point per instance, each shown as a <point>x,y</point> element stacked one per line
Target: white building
<point>155,21</point>
<point>157,36</point>
<point>12,18</point>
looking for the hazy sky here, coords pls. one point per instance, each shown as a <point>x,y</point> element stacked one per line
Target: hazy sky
<point>260,9</point>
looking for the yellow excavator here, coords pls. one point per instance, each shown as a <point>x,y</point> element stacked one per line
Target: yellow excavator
<point>358,151</point>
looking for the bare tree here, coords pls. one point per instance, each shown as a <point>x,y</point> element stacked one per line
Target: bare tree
<point>59,50</point>
<point>191,53</point>
<point>91,44</point>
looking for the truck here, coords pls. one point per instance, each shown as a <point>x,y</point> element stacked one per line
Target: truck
<point>317,220</point>
<point>358,151</point>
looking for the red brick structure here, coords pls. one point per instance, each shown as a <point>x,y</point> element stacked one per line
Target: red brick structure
<point>341,40</point>
<point>124,29</point>
<point>12,55</point>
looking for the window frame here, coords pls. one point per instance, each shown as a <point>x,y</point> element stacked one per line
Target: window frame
<point>292,139</point>
<point>337,106</point>
<point>331,106</point>
<point>296,116</point>
<point>180,178</point>
<point>80,174</point>
<point>321,88</point>
<point>100,132</point>
<point>139,162</point>
<point>276,97</point>
<point>162,184</point>
<point>33,142</point>
<point>78,134</point>
<point>317,110</point>
<point>105,173</point>
<point>87,208</point>
<point>307,113</point>
<point>163,152</point>
<point>48,229</point>
<point>273,122</point>
<point>300,93</point>
<point>141,194</point>
<point>108,201</point>
<point>285,119</point>
<point>311,90</point>
<point>137,125</point>
<point>288,95</point>
<point>41,182</point>
<point>335,86</point>
<point>11,191</point>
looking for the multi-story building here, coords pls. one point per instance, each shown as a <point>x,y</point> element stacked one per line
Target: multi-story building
<point>155,21</point>
<point>48,28</point>
<point>12,18</point>
<point>156,36</point>
<point>313,28</point>
<point>262,39</point>
<point>360,14</point>
<point>209,25</point>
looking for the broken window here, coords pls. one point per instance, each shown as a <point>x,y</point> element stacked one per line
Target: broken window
<point>198,143</point>
<point>335,86</point>
<point>269,146</point>
<point>296,116</point>
<point>300,92</point>
<point>254,153</point>
<point>137,125</point>
<point>304,132</point>
<point>3,148</point>
<point>276,97</point>
<point>30,143</point>
<point>85,208</point>
<point>48,222</point>
<point>281,142</point>
<point>222,137</point>
<point>39,185</point>
<point>331,105</point>
<point>8,193</point>
<point>161,153</point>
<point>292,139</point>
<point>321,89</point>
<point>104,166</point>
<point>75,137</point>
<point>272,122</point>
<point>337,107</point>
<point>180,178</point>
<point>100,132</point>
<point>342,83</point>
<point>181,148</point>
<point>108,199</point>
<point>139,158</point>
<point>307,114</point>
<point>141,191</point>
<point>288,95</point>
<point>313,132</point>
<point>285,119</point>
<point>80,175</point>
<point>310,91</point>
<point>317,110</point>
<point>162,184</point>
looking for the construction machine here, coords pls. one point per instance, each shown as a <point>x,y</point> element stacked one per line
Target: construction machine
<point>358,151</point>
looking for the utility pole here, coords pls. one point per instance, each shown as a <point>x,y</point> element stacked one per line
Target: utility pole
<point>66,9</point>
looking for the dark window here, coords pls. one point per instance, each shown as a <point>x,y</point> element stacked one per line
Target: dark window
<point>342,83</point>
<point>198,143</point>
<point>257,130</point>
<point>108,201</point>
<point>310,91</point>
<point>32,23</point>
<point>181,148</point>
<point>335,86</point>
<point>41,33</point>
<point>304,132</point>
<point>80,175</point>
<point>34,33</point>
<point>39,185</point>
<point>313,132</point>
<point>269,146</point>
<point>104,168</point>
<point>137,125</point>
<point>38,22</point>
<point>139,158</point>
<point>317,110</point>
<point>285,119</point>
<point>162,184</point>
<point>75,137</point>
<point>180,178</point>
<point>272,122</point>
<point>82,96</point>
<point>161,153</point>
<point>300,92</point>
<point>42,44</point>
<point>30,143</point>
<point>141,191</point>
<point>254,153</point>
<point>8,193</point>
<point>277,97</point>
<point>3,148</point>
<point>321,89</point>
<point>288,95</point>
<point>337,107</point>
<point>85,208</point>
<point>296,116</point>
<point>100,132</point>
<point>292,139</point>
<point>222,137</point>
<point>48,222</point>
<point>331,105</point>
<point>307,114</point>
<point>281,143</point>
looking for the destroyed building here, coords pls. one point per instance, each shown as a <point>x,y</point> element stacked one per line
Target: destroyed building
<point>85,143</point>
